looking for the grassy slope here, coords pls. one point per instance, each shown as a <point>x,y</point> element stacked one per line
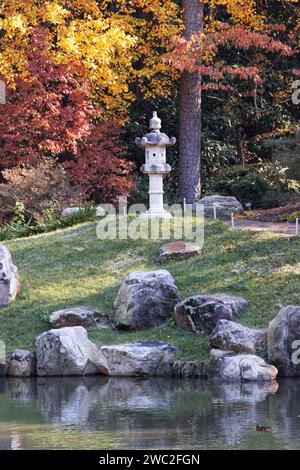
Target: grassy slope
<point>74,268</point>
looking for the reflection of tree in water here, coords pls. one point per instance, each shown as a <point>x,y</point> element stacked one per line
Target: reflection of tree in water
<point>162,413</point>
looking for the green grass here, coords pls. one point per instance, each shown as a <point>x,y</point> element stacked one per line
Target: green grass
<point>73,267</point>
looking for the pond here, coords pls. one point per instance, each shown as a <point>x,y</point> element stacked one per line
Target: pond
<point>113,413</point>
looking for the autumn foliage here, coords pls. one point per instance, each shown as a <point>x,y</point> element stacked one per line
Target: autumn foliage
<point>50,115</point>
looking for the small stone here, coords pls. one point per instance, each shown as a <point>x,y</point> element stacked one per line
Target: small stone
<point>145,300</point>
<point>227,367</point>
<point>70,211</point>
<point>178,251</point>
<point>144,359</point>
<point>201,313</point>
<point>231,336</point>
<point>21,363</point>
<point>66,351</point>
<point>79,316</point>
<point>9,278</point>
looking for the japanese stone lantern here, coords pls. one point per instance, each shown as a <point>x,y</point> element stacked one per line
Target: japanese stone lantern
<point>155,144</point>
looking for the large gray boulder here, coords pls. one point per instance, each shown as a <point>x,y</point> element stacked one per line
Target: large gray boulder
<point>201,313</point>
<point>21,363</point>
<point>9,278</point>
<point>283,336</point>
<point>143,359</point>
<point>231,336</point>
<point>65,351</point>
<point>79,316</point>
<point>145,300</point>
<point>225,206</point>
<point>227,367</point>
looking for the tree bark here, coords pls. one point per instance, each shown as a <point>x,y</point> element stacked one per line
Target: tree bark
<point>190,112</point>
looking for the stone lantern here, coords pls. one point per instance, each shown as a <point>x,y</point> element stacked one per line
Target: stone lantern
<point>155,144</point>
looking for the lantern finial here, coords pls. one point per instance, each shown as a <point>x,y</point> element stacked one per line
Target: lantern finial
<point>155,122</point>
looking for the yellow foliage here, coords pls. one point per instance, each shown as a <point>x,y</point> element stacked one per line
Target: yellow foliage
<point>119,42</point>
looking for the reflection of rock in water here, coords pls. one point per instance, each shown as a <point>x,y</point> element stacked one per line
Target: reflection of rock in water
<point>66,400</point>
<point>242,393</point>
<point>23,390</point>
<point>284,408</point>
<point>160,412</point>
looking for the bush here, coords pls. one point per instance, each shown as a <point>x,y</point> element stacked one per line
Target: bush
<point>49,221</point>
<point>39,188</point>
<point>265,186</point>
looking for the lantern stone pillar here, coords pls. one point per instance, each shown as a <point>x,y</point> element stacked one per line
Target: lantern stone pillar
<point>155,144</point>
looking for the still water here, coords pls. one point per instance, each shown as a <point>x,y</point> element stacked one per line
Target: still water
<point>101,413</point>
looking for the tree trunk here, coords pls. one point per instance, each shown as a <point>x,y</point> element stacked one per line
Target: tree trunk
<point>190,112</point>
<point>239,145</point>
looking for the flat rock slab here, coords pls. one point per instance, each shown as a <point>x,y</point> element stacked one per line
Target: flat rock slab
<point>201,313</point>
<point>145,300</point>
<point>9,278</point>
<point>225,206</point>
<point>227,367</point>
<point>178,251</point>
<point>79,316</point>
<point>283,337</point>
<point>144,359</point>
<point>231,336</point>
<point>21,363</point>
<point>66,351</point>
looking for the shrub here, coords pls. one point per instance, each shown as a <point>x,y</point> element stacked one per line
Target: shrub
<point>37,188</point>
<point>264,185</point>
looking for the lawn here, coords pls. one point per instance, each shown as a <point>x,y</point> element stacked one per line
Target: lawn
<point>73,267</point>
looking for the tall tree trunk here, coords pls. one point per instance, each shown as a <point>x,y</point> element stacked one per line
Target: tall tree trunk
<point>190,112</point>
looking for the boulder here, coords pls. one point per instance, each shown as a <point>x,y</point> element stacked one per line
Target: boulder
<point>227,367</point>
<point>283,337</point>
<point>70,211</point>
<point>2,368</point>
<point>145,300</point>
<point>79,316</point>
<point>9,278</point>
<point>65,351</point>
<point>177,251</point>
<point>143,359</point>
<point>201,313</point>
<point>231,336</point>
<point>225,206</point>
<point>21,363</point>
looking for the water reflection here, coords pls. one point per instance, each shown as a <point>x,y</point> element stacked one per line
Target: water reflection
<point>98,412</point>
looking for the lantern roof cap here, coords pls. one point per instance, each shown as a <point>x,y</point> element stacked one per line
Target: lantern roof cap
<point>155,137</point>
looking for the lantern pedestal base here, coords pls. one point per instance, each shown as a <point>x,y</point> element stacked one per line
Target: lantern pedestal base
<point>156,214</point>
